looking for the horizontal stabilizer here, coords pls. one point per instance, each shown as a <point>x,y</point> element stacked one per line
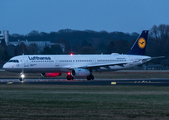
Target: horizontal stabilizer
<point>158,57</point>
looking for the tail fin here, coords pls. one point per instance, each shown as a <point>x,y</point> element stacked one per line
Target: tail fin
<point>139,46</point>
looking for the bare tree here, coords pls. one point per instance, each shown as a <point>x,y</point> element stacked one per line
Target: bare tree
<point>159,40</point>
<point>33,48</point>
<point>160,32</point>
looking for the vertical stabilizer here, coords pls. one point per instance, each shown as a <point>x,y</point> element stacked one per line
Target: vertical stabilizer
<point>139,46</point>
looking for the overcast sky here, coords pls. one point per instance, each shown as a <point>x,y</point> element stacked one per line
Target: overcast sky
<point>23,16</point>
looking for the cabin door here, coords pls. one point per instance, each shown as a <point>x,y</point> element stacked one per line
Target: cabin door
<point>56,62</point>
<point>26,62</point>
<point>93,60</point>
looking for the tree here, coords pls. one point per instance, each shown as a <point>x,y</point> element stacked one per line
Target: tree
<point>46,50</point>
<point>68,48</point>
<point>76,48</point>
<point>3,43</point>
<point>111,47</point>
<point>56,49</point>
<point>10,50</point>
<point>101,48</point>
<point>159,40</point>
<point>118,46</point>
<point>33,48</point>
<point>2,50</point>
<point>33,33</point>
<point>160,32</point>
<point>21,49</point>
<point>5,56</point>
<point>70,37</point>
<point>84,43</point>
<point>87,50</point>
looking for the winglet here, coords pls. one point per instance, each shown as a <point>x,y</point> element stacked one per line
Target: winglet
<point>139,46</point>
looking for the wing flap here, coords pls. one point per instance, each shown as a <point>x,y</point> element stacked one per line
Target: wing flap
<point>108,64</point>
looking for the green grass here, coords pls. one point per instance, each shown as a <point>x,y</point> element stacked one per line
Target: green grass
<point>84,102</point>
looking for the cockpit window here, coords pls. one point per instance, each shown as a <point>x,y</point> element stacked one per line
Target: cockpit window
<point>15,61</point>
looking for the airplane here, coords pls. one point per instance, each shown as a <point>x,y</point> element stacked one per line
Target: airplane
<point>80,65</point>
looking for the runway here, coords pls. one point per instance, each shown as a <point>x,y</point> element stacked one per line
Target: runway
<point>151,81</point>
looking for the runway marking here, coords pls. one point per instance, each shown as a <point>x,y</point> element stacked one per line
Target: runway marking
<point>8,83</point>
<point>113,83</point>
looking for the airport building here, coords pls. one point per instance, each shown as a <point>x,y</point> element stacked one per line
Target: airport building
<point>40,44</point>
<point>5,36</point>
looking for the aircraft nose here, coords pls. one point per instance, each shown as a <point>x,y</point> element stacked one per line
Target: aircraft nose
<point>5,66</point>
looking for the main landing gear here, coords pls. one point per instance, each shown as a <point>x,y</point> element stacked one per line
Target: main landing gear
<point>70,77</point>
<point>90,77</point>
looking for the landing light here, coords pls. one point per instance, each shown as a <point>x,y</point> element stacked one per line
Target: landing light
<point>22,76</point>
<point>71,54</point>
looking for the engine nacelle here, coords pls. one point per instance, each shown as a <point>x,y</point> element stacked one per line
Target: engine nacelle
<point>79,72</point>
<point>51,74</point>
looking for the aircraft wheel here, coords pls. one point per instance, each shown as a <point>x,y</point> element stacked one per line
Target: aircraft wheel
<point>90,77</point>
<point>69,77</point>
<point>22,77</point>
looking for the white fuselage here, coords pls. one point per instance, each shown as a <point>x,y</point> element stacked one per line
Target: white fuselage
<point>64,63</point>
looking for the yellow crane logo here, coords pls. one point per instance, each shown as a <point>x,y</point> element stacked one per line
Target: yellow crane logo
<point>141,43</point>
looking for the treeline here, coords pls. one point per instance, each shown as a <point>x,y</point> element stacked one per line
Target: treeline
<point>79,42</point>
<point>87,42</point>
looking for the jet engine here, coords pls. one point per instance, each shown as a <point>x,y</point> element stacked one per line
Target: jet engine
<point>79,72</point>
<point>51,74</point>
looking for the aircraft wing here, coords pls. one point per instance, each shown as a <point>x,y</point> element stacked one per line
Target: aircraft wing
<point>98,65</point>
<point>107,64</point>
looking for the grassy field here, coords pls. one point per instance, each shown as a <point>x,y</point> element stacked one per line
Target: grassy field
<point>84,102</point>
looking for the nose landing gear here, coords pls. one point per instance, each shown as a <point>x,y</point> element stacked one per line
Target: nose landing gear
<point>90,77</point>
<point>22,77</point>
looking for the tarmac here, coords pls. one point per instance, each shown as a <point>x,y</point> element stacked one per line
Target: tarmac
<point>151,81</point>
